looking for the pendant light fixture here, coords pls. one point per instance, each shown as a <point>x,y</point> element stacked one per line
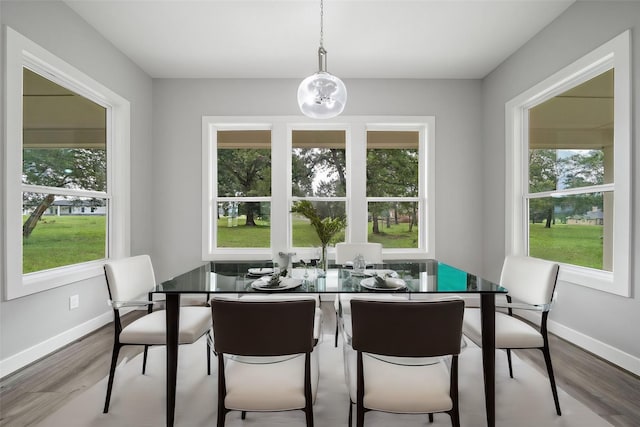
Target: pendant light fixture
<point>322,95</point>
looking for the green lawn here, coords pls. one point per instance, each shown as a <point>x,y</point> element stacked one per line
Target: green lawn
<point>396,236</point>
<point>64,240</point>
<point>571,244</point>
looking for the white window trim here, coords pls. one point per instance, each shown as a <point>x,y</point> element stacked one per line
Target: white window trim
<point>21,52</point>
<point>613,54</point>
<point>282,127</point>
<point>426,173</point>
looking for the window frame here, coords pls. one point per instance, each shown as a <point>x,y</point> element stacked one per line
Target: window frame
<point>346,128</point>
<point>281,196</point>
<point>21,52</point>
<point>613,54</point>
<point>424,171</point>
<point>210,129</point>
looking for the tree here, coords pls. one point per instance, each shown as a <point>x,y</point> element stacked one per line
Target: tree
<point>245,172</point>
<point>309,163</point>
<point>543,176</point>
<point>547,170</point>
<point>391,173</point>
<point>60,168</point>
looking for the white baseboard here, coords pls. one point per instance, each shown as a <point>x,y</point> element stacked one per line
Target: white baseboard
<point>30,355</point>
<point>607,352</point>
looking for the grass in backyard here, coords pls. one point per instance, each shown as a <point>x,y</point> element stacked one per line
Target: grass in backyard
<point>572,244</point>
<point>242,236</point>
<point>395,236</point>
<point>63,240</point>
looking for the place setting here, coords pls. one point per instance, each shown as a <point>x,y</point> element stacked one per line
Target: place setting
<point>380,280</point>
<point>277,281</point>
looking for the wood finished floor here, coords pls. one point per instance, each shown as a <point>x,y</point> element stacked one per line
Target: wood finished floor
<point>29,395</point>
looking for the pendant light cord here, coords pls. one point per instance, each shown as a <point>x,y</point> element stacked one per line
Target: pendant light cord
<point>321,22</point>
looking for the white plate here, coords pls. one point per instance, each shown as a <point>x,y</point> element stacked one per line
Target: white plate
<point>263,271</point>
<point>374,272</point>
<point>391,284</point>
<point>285,284</point>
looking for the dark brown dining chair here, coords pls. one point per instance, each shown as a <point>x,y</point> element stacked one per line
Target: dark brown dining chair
<point>129,282</point>
<point>404,358</point>
<point>265,356</point>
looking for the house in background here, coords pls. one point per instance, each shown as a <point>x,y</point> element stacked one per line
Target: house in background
<point>164,169</point>
<point>593,217</point>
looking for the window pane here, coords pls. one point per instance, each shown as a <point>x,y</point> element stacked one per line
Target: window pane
<point>244,225</point>
<point>244,163</point>
<point>59,231</point>
<point>392,164</point>
<point>303,233</point>
<point>571,137</point>
<point>394,224</point>
<point>318,163</point>
<point>572,229</point>
<point>64,137</point>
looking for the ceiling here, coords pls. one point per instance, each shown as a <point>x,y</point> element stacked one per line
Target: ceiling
<point>279,39</point>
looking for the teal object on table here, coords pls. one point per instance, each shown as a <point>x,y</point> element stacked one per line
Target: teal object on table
<point>451,279</point>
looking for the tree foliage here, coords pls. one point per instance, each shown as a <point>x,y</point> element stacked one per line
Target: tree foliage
<point>62,168</point>
<point>245,172</point>
<point>548,171</point>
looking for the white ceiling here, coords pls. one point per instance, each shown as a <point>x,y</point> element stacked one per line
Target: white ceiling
<point>279,39</point>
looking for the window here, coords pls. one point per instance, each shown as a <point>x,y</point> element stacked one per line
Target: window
<point>65,210</point>
<point>326,164</point>
<point>318,174</point>
<point>244,189</point>
<point>568,140</point>
<point>393,184</point>
<point>64,159</point>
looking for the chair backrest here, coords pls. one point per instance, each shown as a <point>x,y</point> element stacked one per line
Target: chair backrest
<point>129,278</point>
<point>529,280</point>
<point>372,252</point>
<point>263,328</point>
<point>407,329</point>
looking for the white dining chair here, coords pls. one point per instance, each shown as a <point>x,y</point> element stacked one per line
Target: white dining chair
<point>345,254</point>
<point>130,282</point>
<point>531,284</point>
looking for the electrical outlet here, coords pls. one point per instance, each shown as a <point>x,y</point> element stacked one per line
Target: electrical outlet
<point>74,302</point>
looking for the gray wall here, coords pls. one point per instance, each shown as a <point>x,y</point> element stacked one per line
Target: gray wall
<point>583,27</point>
<point>30,320</point>
<point>180,104</point>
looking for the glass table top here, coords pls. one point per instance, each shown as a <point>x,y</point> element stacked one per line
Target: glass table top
<point>426,276</point>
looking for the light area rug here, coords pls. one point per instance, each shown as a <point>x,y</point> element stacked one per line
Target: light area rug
<point>139,400</point>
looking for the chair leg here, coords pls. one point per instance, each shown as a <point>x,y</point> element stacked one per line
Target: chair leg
<point>455,418</point>
<point>243,415</point>
<point>112,373</point>
<point>336,339</point>
<point>509,361</point>
<point>208,355</point>
<point>308,412</point>
<point>430,418</point>
<point>144,359</point>
<point>359,416</point>
<point>221,417</point>
<point>552,380</point>
<point>350,412</point>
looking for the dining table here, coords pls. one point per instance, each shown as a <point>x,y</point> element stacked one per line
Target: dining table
<point>417,278</point>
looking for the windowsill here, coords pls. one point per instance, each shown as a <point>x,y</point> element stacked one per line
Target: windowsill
<point>49,279</point>
<point>592,278</point>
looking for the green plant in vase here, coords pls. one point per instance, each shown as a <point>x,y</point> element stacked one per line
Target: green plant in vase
<point>326,228</point>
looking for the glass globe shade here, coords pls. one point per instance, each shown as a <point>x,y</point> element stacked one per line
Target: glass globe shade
<point>322,96</point>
